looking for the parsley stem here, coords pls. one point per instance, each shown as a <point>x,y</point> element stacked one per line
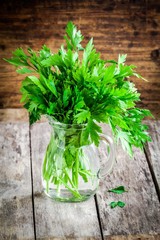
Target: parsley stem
<point>76,168</point>
<point>72,184</point>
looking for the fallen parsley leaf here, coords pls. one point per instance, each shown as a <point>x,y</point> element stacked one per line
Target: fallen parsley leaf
<point>115,204</point>
<point>121,204</point>
<point>118,190</point>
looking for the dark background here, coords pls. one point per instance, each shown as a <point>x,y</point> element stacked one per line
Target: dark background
<point>117,26</point>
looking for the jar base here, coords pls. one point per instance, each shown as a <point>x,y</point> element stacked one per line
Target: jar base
<point>66,196</point>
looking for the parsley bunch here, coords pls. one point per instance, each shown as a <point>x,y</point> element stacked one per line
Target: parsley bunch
<point>77,90</point>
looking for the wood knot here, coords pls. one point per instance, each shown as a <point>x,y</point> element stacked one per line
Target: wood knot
<point>2,47</point>
<point>155,55</point>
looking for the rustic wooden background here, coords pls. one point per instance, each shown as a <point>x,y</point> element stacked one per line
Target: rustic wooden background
<point>118,26</point>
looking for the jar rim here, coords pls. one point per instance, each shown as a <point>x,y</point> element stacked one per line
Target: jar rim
<point>54,122</point>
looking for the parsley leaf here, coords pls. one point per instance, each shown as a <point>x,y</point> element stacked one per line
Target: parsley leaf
<point>74,37</point>
<point>118,190</point>
<point>117,204</point>
<point>24,70</point>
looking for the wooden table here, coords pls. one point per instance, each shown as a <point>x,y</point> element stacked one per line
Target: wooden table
<point>25,212</point>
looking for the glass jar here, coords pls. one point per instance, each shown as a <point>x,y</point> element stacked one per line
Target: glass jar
<point>71,169</point>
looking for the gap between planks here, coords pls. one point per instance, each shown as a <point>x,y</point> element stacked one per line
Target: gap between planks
<point>152,151</point>
<point>32,187</point>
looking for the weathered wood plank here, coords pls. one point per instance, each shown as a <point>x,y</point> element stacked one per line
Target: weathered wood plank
<point>141,215</point>
<point>69,238</point>
<point>153,149</point>
<point>16,216</point>
<point>58,220</point>
<point>135,237</point>
<point>130,27</point>
<point>13,115</point>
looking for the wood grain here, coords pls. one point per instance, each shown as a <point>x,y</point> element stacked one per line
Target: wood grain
<point>135,237</point>
<point>53,219</point>
<point>153,149</point>
<point>130,27</point>
<point>141,215</point>
<point>69,238</point>
<point>13,115</point>
<point>139,220</point>
<point>16,217</point>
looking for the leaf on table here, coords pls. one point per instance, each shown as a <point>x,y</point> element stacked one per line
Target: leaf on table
<point>121,204</point>
<point>118,190</point>
<point>117,204</point>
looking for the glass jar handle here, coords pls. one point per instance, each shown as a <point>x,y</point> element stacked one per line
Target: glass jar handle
<point>109,162</point>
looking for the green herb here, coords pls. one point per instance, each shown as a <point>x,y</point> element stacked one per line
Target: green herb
<point>74,88</point>
<point>115,204</point>
<point>71,90</point>
<point>118,190</point>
